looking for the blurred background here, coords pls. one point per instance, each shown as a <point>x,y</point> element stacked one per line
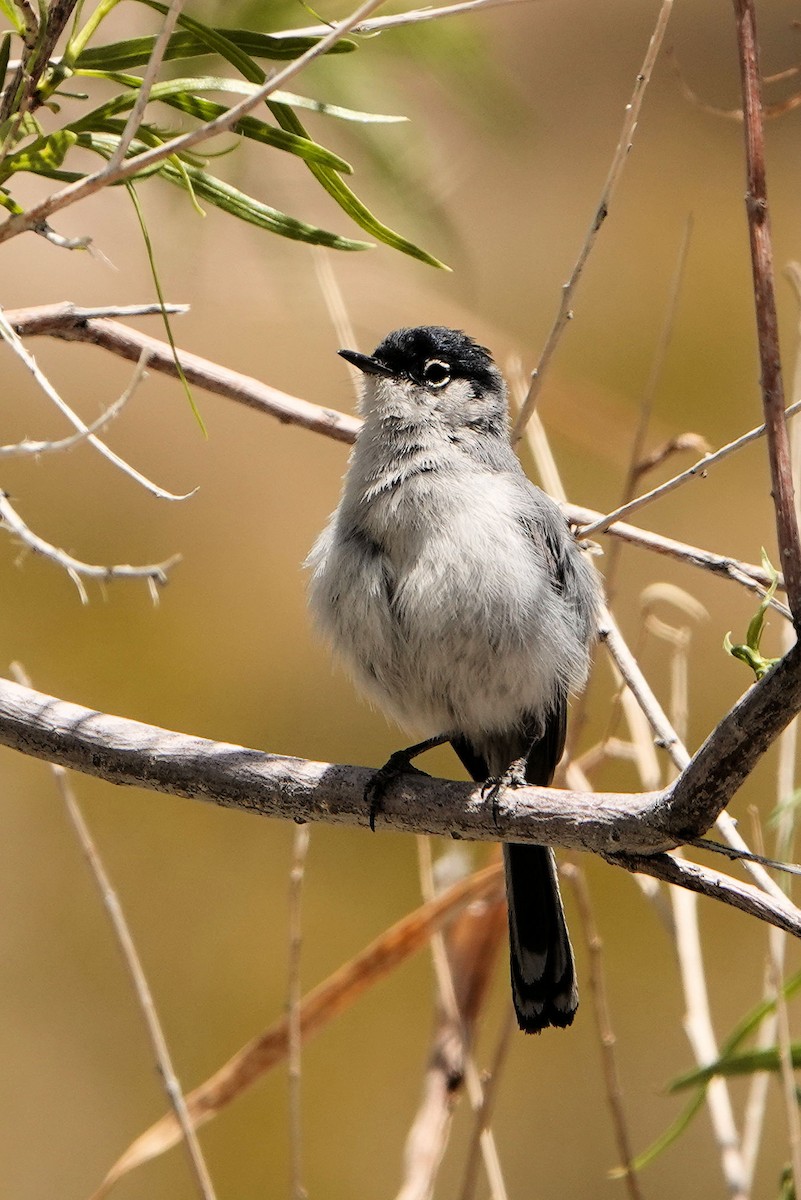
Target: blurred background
<point>514,114</point>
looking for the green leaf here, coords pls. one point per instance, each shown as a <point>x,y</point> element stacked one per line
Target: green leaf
<point>749,651</point>
<point>186,43</point>
<point>259,131</point>
<point>44,155</point>
<point>179,93</point>
<point>335,110</point>
<point>348,201</point>
<point>12,15</point>
<point>151,258</point>
<point>222,195</point>
<point>748,1025</point>
<point>747,1063</point>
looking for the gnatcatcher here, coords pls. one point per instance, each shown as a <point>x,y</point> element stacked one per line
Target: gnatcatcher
<point>456,596</point>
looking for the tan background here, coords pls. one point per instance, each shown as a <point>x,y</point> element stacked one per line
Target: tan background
<point>514,115</point>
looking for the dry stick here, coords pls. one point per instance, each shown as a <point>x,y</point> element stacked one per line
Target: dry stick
<point>614,1090</point>
<point>484,1112</point>
<point>765,304</point>
<point>30,448</point>
<point>300,849</point>
<point>416,17</point>
<point>133,963</point>
<point>13,341</point>
<point>446,987</point>
<point>320,1006</point>
<point>145,87</point>
<point>696,471</point>
<point>154,573</point>
<point>36,216</point>
<point>615,171</point>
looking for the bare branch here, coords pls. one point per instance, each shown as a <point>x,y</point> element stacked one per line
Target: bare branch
<point>12,339</point>
<point>79,325</point>
<point>127,752</point>
<point>154,573</point>
<point>756,203</point>
<point>697,471</point>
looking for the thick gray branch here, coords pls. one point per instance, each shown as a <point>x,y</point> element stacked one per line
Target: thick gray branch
<point>630,830</point>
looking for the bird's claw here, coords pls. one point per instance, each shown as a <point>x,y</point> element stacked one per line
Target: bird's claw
<point>378,784</point>
<point>491,789</point>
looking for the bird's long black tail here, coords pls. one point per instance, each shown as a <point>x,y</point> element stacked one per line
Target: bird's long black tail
<point>542,968</point>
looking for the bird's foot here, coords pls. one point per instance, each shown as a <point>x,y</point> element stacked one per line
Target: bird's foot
<point>513,777</point>
<point>397,764</point>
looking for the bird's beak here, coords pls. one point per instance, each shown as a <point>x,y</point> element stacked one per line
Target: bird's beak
<point>370,366</point>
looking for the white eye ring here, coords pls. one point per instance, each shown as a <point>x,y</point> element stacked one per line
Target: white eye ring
<point>441,373</point>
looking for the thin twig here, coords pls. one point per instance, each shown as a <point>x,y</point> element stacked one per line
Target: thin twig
<point>483,1115</point>
<point>149,78</point>
<point>154,573</point>
<point>416,17</point>
<point>29,448</point>
<point>603,1020</point>
<point>615,171</point>
<point>12,339</point>
<point>133,963</point>
<point>68,324</point>
<point>300,848</point>
<point>697,471</point>
<point>756,204</point>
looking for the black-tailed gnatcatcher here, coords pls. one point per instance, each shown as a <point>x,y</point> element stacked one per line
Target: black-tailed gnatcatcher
<point>454,593</point>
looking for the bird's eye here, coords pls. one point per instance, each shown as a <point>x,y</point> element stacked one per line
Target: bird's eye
<point>436,373</point>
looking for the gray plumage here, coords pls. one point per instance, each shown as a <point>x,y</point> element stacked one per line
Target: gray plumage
<point>453,592</point>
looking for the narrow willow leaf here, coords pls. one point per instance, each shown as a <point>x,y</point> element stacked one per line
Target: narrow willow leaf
<point>151,258</point>
<point>179,93</point>
<point>222,195</point>
<point>335,110</point>
<point>185,43</point>
<point>746,1063</point>
<point>42,156</point>
<point>13,15</point>
<point>5,50</point>
<point>259,131</point>
<point>748,1025</point>
<point>348,201</point>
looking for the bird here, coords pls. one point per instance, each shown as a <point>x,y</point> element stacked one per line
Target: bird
<point>456,596</point>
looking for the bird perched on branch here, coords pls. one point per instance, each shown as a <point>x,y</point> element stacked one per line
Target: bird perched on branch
<point>456,596</point>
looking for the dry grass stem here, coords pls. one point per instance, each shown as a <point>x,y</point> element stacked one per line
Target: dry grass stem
<point>300,848</point>
<point>619,160</point>
<point>603,1021</point>
<point>133,963</point>
<point>481,1127</point>
<point>318,1008</point>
